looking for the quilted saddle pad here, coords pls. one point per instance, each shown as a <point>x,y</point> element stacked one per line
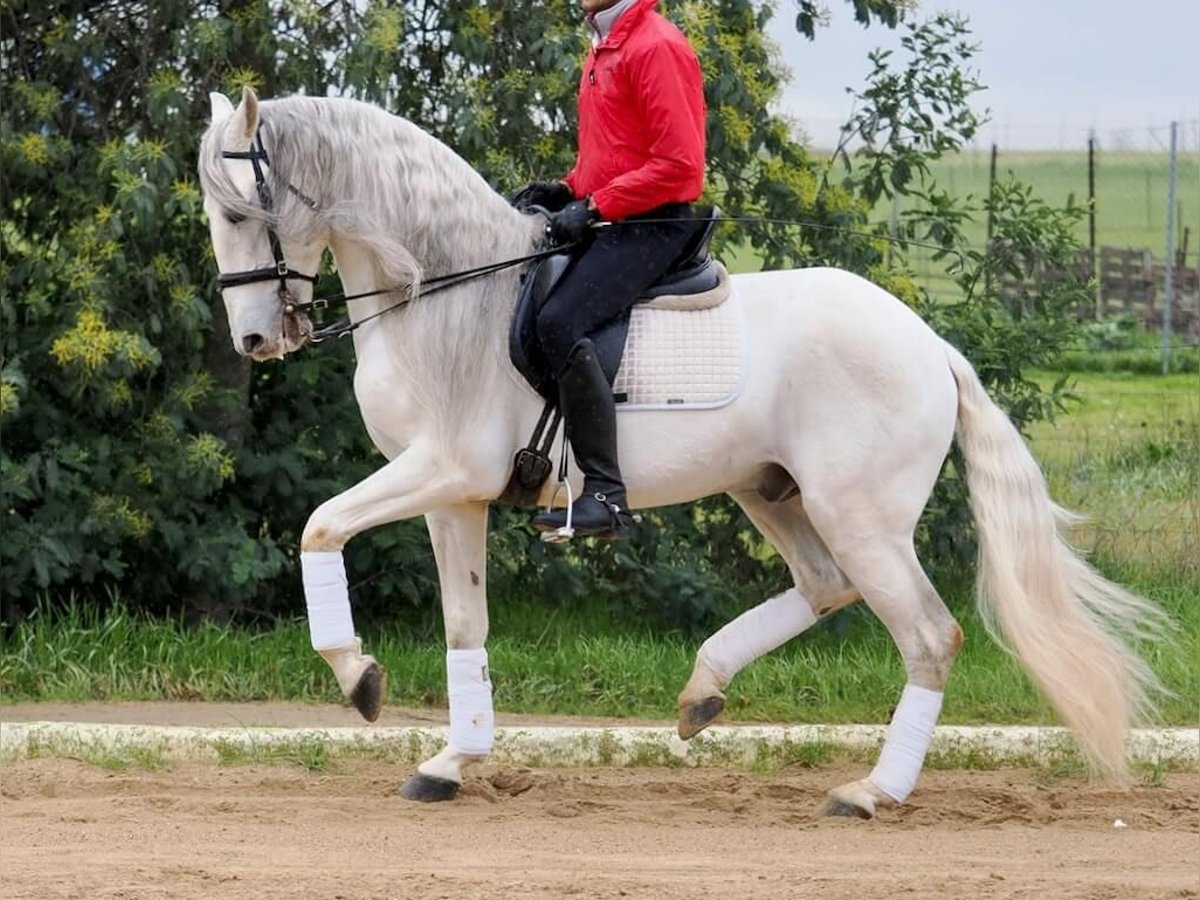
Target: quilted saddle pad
<point>692,359</point>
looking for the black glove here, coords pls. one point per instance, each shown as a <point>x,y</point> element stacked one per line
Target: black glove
<point>571,224</point>
<point>550,195</point>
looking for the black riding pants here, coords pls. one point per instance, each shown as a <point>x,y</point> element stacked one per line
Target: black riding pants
<point>623,259</point>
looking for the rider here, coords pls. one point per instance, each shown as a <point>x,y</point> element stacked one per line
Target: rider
<point>641,157</point>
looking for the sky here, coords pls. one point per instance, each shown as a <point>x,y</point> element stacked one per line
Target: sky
<point>1055,69</point>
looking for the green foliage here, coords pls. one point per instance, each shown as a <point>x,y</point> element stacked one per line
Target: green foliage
<point>139,451</point>
<point>1114,333</point>
<point>909,117</point>
<point>579,661</point>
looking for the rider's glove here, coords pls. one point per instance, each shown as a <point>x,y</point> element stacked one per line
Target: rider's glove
<point>572,223</point>
<point>550,195</point>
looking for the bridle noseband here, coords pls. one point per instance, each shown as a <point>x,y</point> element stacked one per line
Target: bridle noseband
<point>257,154</point>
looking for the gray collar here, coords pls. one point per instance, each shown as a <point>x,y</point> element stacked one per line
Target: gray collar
<point>602,22</point>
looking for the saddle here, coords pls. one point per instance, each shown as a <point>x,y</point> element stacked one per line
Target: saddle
<point>693,274</point>
<point>694,281</point>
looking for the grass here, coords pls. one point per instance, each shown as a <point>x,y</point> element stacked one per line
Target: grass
<point>1131,190</point>
<point>1127,455</point>
<point>1054,764</point>
<point>826,677</point>
<point>1131,196</point>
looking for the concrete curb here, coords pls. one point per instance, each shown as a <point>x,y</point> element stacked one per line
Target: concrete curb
<point>730,746</point>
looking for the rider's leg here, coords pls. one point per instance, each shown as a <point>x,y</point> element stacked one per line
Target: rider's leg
<point>623,260</point>
<point>586,400</point>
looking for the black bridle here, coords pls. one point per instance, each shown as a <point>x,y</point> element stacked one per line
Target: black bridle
<point>257,155</point>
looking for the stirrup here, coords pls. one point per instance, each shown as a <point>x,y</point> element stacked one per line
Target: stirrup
<point>566,532</point>
<point>615,524</point>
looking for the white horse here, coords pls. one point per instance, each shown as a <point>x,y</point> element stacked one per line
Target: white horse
<point>848,396</point>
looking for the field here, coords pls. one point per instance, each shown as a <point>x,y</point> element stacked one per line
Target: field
<point>1131,195</point>
<point>1131,191</point>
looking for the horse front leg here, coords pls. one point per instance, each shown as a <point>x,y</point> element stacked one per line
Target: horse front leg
<point>459,537</point>
<point>416,481</point>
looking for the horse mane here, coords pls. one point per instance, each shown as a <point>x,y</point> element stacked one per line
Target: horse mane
<point>382,183</point>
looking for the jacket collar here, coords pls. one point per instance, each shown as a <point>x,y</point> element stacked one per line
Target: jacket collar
<point>626,23</point>
<point>603,21</point>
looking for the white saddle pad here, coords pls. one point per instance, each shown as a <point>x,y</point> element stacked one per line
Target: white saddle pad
<point>682,359</point>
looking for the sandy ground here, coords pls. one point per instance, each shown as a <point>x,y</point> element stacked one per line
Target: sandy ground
<point>281,715</point>
<point>72,830</point>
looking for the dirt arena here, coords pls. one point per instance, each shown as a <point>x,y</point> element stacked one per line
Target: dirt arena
<point>74,830</point>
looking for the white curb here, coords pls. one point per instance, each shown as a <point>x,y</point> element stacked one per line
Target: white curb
<point>729,745</point>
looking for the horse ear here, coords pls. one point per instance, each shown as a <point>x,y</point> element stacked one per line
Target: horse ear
<point>247,113</point>
<point>221,107</point>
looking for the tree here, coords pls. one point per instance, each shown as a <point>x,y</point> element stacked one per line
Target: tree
<point>138,453</point>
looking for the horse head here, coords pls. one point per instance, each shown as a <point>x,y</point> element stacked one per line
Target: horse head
<point>268,261</point>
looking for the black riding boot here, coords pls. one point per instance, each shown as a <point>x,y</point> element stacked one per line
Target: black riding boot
<point>586,400</point>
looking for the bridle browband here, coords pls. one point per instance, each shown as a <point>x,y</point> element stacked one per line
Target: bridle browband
<point>257,155</point>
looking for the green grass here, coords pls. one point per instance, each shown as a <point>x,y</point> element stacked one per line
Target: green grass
<point>1131,197</point>
<point>1127,455</point>
<point>1131,190</point>
<point>562,668</point>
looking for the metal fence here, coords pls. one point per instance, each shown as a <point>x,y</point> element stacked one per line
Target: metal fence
<point>1127,456</point>
<point>1141,233</point>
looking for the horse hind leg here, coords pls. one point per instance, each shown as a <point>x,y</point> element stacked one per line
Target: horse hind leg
<point>897,590</point>
<point>819,589</point>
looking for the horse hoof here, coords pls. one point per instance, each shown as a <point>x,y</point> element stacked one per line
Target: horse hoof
<point>698,716</point>
<point>427,789</point>
<point>842,808</point>
<point>370,691</point>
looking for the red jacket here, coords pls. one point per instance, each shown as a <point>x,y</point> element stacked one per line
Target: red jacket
<point>641,118</point>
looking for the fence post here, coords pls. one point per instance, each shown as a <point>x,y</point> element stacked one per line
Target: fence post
<point>893,226</point>
<point>1169,267</point>
<point>1092,221</point>
<point>991,195</point>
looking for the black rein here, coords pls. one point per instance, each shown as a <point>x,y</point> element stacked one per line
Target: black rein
<point>280,271</point>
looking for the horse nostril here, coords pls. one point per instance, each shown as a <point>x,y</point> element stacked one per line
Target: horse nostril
<point>252,342</point>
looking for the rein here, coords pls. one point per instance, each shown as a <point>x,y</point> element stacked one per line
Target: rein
<point>257,156</point>
<point>440,283</point>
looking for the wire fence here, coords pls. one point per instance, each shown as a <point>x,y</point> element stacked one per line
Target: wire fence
<point>1141,192</point>
<point>1128,458</point>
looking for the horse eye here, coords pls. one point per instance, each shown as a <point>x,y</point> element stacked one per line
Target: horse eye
<point>234,218</point>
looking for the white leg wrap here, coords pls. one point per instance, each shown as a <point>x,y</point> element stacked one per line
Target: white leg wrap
<point>908,738</point>
<point>755,632</point>
<point>327,597</point>
<point>472,723</point>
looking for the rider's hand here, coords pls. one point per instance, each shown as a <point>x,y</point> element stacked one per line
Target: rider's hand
<point>572,223</point>
<point>550,195</point>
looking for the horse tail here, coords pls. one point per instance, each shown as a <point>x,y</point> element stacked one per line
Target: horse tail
<point>1070,628</point>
